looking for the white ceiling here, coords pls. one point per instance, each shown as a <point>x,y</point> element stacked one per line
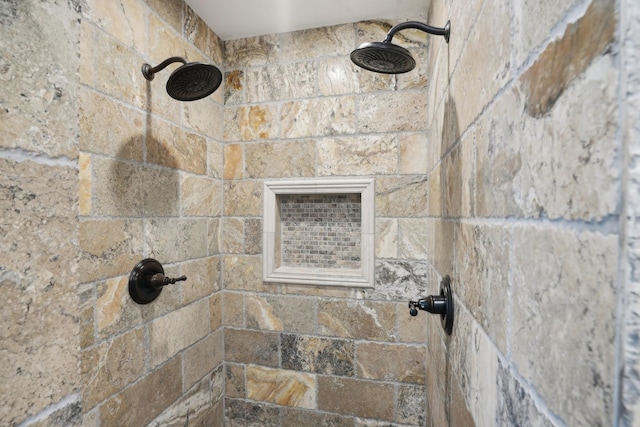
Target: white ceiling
<point>234,19</point>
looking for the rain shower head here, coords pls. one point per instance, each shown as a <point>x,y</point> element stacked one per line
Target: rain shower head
<point>189,82</point>
<point>388,58</point>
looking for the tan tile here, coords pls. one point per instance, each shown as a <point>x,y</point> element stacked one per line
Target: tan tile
<point>251,347</point>
<point>122,20</point>
<point>201,358</point>
<point>178,330</point>
<point>359,155</point>
<point>203,278</point>
<point>235,380</point>
<point>170,146</point>
<point>359,398</point>
<point>391,362</point>
<point>392,112</point>
<point>280,82</point>
<point>233,307</point>
<point>318,117</point>
<point>142,402</point>
<point>110,367</point>
<point>357,319</point>
<point>258,122</point>
<point>243,198</point>
<point>84,184</point>
<point>233,161</point>
<point>200,196</point>
<point>277,313</point>
<point>281,387</point>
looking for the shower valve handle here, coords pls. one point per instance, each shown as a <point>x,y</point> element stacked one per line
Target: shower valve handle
<point>158,280</point>
<point>437,304</point>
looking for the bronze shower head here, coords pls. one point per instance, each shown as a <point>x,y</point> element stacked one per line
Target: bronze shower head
<point>189,82</point>
<point>388,58</point>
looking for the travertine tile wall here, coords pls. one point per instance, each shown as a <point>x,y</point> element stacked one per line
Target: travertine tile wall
<point>101,169</point>
<point>528,189</point>
<point>296,107</point>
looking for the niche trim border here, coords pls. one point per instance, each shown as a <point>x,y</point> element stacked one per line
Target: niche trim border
<point>272,272</point>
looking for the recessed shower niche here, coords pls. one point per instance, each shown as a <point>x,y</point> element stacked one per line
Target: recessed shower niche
<point>319,232</point>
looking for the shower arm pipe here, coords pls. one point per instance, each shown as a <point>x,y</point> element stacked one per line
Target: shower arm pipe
<point>419,26</point>
<point>149,72</point>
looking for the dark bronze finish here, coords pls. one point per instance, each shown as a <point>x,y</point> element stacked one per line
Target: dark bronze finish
<point>147,280</point>
<point>189,82</point>
<point>388,58</point>
<point>437,304</point>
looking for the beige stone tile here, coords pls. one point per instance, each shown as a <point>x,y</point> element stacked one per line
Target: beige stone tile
<point>170,146</point>
<point>233,238</point>
<point>197,31</point>
<point>146,399</point>
<point>411,329</point>
<point>359,398</point>
<point>204,116</point>
<point>244,273</point>
<point>292,417</point>
<point>203,278</point>
<point>41,314</point>
<point>456,180</point>
<point>243,198</point>
<point>178,330</point>
<point>318,117</point>
<point>200,196</point>
<point>337,76</point>
<point>201,358</point>
<point>126,126</point>
<point>251,347</point>
<point>87,37</point>
<point>413,153</point>
<point>479,76</point>
<point>214,236</point>
<point>168,10</point>
<point>215,310</point>
<point>357,319</point>
<point>235,380</point>
<point>193,408</point>
<point>215,159</point>
<point>281,159</point>
<point>280,82</point>
<point>252,51</point>
<point>359,155</point>
<point>392,112</point>
<point>110,247</point>
<point>40,80</point>
<point>176,239</point>
<point>115,74</point>
<point>123,20</point>
<point>413,242</point>
<point>233,309</point>
<point>404,196</point>
<point>391,362</point>
<point>84,184</point>
<point>386,237</point>
<point>553,266</point>
<point>411,405</point>
<point>232,123</point>
<point>233,161</point>
<point>253,236</point>
<point>111,366</point>
<point>313,43</point>
<point>288,388</point>
<point>165,42</point>
<point>280,313</point>
<point>234,84</point>
<point>317,355</point>
<point>568,57</point>
<point>258,122</point>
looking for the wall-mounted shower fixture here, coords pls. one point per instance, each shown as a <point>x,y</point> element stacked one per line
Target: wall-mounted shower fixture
<point>189,82</point>
<point>388,58</point>
<point>147,280</point>
<point>437,304</point>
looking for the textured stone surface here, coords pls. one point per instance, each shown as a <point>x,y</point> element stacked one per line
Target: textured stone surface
<point>177,330</point>
<point>172,147</point>
<point>142,402</point>
<point>243,198</point>
<point>201,358</point>
<point>279,82</point>
<point>391,362</point>
<point>288,388</point>
<point>176,239</point>
<point>294,417</point>
<point>411,405</point>
<point>249,414</point>
<point>361,398</point>
<point>404,196</point>
<point>357,156</point>
<point>38,275</point>
<point>200,196</point>
<point>317,355</point>
<point>234,380</point>
<point>243,273</point>
<point>251,347</point>
<point>581,362</point>
<point>565,59</point>
<point>111,366</point>
<point>315,117</point>
<point>278,313</point>
<point>357,319</point>
<point>283,159</point>
<point>392,112</point>
<point>39,106</point>
<point>192,409</point>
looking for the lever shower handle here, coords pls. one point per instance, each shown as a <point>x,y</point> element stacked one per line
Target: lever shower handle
<point>437,304</point>
<point>158,280</point>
